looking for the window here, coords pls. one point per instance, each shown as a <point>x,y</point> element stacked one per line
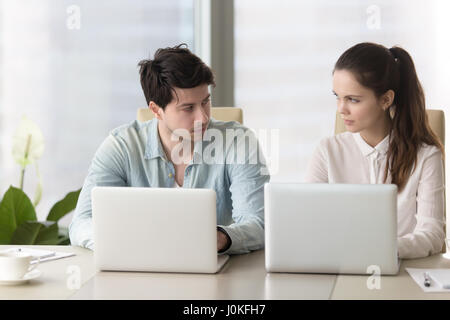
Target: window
<point>285,52</point>
<point>71,66</point>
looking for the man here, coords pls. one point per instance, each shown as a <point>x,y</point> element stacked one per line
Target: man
<point>168,151</point>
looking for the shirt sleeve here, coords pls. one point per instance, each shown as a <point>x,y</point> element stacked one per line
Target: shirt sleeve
<point>428,235</point>
<point>317,170</point>
<point>107,169</point>
<point>247,195</point>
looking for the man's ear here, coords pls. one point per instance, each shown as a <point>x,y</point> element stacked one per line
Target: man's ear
<point>156,110</point>
<point>387,99</point>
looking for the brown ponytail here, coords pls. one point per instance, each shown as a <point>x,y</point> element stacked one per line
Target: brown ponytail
<point>382,69</point>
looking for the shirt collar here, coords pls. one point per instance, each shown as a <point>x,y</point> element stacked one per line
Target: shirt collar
<point>366,149</point>
<point>154,147</point>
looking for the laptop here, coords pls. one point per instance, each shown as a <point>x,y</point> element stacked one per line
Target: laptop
<point>331,228</point>
<point>155,230</point>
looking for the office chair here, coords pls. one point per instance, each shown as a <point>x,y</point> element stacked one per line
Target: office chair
<point>218,113</point>
<point>436,119</point>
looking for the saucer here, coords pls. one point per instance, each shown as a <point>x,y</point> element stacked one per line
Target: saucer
<point>33,274</point>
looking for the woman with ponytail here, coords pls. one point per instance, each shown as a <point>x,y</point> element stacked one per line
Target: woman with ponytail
<point>388,140</point>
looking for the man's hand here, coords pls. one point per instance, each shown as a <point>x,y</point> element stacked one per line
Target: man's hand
<point>222,241</point>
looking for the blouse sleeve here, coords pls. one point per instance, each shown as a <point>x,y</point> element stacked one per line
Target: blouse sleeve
<point>317,170</point>
<point>428,235</point>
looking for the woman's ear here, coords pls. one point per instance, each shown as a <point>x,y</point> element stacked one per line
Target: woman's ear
<point>155,109</point>
<point>387,99</point>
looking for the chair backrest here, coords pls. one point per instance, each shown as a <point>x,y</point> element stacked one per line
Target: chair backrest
<point>218,113</point>
<point>436,119</point>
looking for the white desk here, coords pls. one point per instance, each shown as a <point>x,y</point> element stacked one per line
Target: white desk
<point>243,277</point>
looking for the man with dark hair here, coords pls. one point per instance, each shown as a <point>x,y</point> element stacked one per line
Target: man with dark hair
<point>169,150</point>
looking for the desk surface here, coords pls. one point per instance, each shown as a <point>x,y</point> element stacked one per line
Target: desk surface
<point>398,287</point>
<point>53,283</point>
<point>243,277</point>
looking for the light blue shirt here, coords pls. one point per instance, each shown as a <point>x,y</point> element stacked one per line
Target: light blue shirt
<point>132,155</point>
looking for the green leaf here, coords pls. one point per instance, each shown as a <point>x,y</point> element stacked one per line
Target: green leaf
<point>26,233</point>
<point>64,241</point>
<point>63,207</point>
<point>15,209</point>
<point>48,235</point>
<point>36,232</point>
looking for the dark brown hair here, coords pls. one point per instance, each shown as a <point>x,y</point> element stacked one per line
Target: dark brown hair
<point>381,69</point>
<point>171,68</point>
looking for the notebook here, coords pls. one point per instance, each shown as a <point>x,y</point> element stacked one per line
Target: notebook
<point>43,255</point>
<point>441,277</point>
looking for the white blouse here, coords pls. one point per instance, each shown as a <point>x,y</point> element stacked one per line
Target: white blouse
<point>347,158</point>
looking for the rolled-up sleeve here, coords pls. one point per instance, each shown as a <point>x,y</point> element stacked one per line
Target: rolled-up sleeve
<point>107,169</point>
<point>247,195</point>
<point>428,235</point>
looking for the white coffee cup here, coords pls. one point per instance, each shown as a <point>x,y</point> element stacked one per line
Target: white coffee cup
<point>15,265</point>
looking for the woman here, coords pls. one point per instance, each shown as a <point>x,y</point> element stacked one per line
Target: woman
<point>388,140</point>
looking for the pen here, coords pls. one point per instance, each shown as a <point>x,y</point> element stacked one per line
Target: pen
<point>427,281</point>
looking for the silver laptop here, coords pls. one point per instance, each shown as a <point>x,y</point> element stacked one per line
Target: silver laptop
<point>331,228</point>
<point>155,229</point>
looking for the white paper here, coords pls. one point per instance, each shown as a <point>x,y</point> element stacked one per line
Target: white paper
<point>417,275</point>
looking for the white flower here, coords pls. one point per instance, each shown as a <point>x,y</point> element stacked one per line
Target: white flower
<point>28,142</point>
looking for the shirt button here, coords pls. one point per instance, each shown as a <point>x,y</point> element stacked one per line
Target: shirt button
<point>170,175</point>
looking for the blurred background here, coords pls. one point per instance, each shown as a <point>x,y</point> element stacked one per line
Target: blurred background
<point>71,67</point>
